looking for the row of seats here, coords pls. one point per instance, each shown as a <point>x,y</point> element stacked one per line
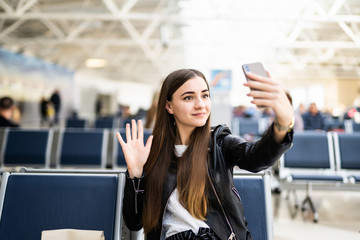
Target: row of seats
<point>31,202</point>
<point>257,125</point>
<point>77,148</point>
<point>108,122</point>
<point>326,156</point>
<point>321,160</point>
<point>103,122</point>
<point>252,126</point>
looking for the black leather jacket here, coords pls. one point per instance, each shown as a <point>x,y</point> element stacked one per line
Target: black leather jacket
<point>225,212</point>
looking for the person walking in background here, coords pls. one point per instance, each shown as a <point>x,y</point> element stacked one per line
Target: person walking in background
<point>299,122</point>
<point>313,118</point>
<point>151,113</point>
<point>98,106</point>
<point>44,111</point>
<point>7,108</point>
<point>301,109</point>
<point>178,185</point>
<point>55,99</point>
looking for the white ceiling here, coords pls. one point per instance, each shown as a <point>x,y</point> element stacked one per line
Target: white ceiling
<point>143,40</point>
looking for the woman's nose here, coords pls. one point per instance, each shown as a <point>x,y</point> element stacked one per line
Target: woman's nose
<point>200,103</point>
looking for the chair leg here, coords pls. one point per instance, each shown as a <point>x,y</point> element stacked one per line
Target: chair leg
<point>293,209</point>
<point>308,200</point>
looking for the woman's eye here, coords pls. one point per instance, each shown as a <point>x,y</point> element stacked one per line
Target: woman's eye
<point>206,96</point>
<point>187,98</point>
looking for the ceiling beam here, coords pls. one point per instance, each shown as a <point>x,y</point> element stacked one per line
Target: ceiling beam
<point>143,45</point>
<point>11,28</point>
<point>20,4</point>
<point>2,24</point>
<point>25,7</point>
<point>123,16</point>
<point>127,42</point>
<point>128,6</point>
<point>153,26</point>
<point>139,16</point>
<point>112,7</point>
<point>8,9</point>
<point>336,7</point>
<point>350,33</point>
<point>74,33</point>
<point>53,28</point>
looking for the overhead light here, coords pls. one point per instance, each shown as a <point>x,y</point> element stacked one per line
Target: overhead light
<point>96,63</point>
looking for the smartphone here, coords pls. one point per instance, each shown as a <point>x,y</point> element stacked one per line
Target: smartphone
<point>256,68</point>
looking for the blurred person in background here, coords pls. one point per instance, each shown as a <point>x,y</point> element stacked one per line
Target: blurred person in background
<point>98,106</point>
<point>269,114</point>
<point>299,122</point>
<point>301,109</point>
<point>239,111</point>
<point>44,111</point>
<point>313,118</point>
<point>7,109</point>
<point>151,113</point>
<point>55,99</point>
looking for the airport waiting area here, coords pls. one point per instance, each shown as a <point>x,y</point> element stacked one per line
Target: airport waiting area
<point>249,109</point>
<point>73,177</point>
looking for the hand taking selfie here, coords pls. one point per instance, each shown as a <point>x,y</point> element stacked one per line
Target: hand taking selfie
<point>269,93</point>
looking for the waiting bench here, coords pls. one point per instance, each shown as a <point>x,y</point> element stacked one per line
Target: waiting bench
<point>321,161</point>
<point>33,202</point>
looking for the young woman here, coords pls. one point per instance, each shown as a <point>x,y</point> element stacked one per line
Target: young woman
<point>179,184</point>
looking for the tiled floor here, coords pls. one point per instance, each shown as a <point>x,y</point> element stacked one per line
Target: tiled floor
<point>339,217</point>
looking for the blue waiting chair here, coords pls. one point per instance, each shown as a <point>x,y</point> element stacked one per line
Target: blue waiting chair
<point>356,127</point>
<point>347,152</point>
<point>351,126</point>
<point>310,157</point>
<point>311,160</point>
<point>31,203</point>
<point>26,147</point>
<point>81,148</point>
<point>76,123</point>
<point>254,191</point>
<point>105,122</point>
<point>249,126</point>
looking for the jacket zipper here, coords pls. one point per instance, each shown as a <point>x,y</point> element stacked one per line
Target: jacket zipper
<point>232,235</point>
<point>137,191</point>
<point>236,193</point>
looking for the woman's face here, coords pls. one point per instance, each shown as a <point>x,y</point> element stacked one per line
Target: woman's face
<point>190,104</point>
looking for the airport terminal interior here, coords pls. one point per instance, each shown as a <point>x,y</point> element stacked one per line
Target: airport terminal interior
<point>78,71</point>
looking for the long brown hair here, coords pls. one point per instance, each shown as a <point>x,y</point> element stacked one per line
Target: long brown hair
<point>191,167</point>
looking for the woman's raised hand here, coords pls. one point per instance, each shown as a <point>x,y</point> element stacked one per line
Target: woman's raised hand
<point>135,152</point>
<point>267,92</point>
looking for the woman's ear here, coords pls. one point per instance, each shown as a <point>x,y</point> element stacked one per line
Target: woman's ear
<point>168,107</point>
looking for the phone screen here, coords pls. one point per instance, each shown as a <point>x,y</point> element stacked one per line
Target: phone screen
<point>256,68</point>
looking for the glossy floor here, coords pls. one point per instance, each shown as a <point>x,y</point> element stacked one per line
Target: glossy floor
<point>338,211</point>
